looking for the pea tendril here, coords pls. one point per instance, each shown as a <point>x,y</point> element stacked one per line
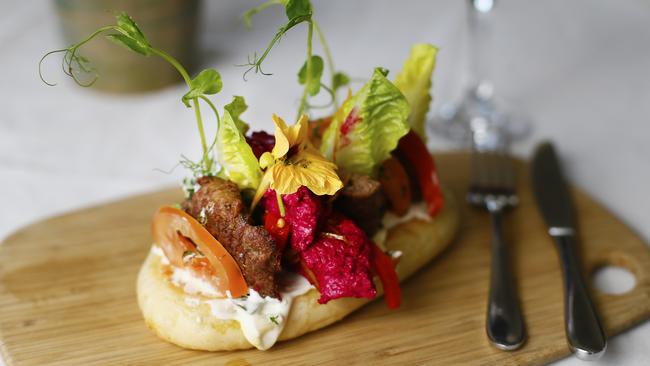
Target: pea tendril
<point>300,11</point>
<point>126,33</point>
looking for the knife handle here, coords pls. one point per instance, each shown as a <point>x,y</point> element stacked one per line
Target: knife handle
<point>504,323</point>
<point>583,330</point>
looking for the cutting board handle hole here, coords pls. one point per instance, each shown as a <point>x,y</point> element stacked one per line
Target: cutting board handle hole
<point>613,279</point>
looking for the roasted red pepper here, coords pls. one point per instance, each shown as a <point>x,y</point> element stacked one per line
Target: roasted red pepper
<point>413,149</point>
<point>383,265</point>
<point>278,228</point>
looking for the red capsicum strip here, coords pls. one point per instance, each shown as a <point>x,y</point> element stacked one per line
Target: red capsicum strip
<point>415,151</point>
<point>279,230</point>
<point>383,265</point>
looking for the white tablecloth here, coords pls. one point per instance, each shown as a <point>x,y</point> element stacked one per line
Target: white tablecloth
<point>579,69</point>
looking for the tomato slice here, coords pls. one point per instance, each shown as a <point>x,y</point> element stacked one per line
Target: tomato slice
<point>413,149</point>
<point>383,265</point>
<point>175,231</point>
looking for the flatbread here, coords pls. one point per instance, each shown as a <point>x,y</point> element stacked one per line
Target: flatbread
<point>191,324</point>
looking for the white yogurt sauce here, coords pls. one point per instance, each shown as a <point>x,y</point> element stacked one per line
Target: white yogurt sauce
<point>261,318</point>
<point>191,284</point>
<point>417,211</point>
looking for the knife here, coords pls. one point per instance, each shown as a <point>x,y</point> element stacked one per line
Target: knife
<point>583,330</point>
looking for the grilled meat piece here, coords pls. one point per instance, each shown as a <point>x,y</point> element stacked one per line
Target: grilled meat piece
<point>362,200</point>
<point>219,207</point>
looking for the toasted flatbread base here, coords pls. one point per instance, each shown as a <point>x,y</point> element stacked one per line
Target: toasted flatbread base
<point>192,325</point>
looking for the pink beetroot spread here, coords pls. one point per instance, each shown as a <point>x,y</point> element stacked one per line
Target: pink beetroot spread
<point>332,247</point>
<point>341,267</point>
<point>261,142</point>
<point>302,212</point>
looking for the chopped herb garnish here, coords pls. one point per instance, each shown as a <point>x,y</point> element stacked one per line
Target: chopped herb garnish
<point>274,319</point>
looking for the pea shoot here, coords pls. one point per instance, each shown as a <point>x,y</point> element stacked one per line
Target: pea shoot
<point>311,72</point>
<point>126,33</point>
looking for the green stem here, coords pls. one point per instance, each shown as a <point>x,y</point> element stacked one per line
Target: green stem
<point>257,63</point>
<point>278,197</point>
<point>214,109</point>
<point>328,58</point>
<point>177,65</point>
<point>204,146</point>
<point>305,93</point>
<point>93,35</point>
<point>195,104</point>
<point>216,113</point>
<point>249,14</point>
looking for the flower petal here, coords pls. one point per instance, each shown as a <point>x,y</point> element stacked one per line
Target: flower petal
<point>262,188</point>
<point>282,142</point>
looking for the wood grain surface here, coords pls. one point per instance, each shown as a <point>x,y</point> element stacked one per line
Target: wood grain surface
<point>67,292</point>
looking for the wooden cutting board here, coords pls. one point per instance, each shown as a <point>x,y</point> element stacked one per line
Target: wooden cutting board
<point>67,292</point>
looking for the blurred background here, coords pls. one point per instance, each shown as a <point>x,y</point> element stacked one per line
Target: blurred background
<point>577,70</point>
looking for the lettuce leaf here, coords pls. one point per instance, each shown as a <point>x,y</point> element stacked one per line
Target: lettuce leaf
<point>367,127</point>
<point>236,108</point>
<point>414,81</point>
<point>238,163</point>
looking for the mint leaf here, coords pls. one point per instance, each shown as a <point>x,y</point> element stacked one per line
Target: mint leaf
<point>316,74</point>
<point>207,81</point>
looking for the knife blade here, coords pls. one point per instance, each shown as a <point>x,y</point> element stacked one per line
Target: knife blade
<point>550,189</point>
<point>583,330</point>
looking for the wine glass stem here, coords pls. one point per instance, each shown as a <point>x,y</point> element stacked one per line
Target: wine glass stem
<point>479,42</point>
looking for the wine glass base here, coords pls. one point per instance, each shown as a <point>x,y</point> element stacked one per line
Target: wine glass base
<point>478,110</point>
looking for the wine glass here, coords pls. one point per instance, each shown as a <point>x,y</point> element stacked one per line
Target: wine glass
<point>479,108</point>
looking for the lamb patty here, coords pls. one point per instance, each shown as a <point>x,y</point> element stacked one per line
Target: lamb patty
<point>363,200</point>
<point>219,207</point>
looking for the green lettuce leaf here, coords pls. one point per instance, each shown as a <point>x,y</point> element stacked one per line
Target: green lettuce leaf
<point>367,127</point>
<point>238,163</point>
<point>414,81</point>
<point>236,108</point>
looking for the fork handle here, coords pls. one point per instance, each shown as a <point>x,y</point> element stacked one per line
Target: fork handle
<point>504,323</point>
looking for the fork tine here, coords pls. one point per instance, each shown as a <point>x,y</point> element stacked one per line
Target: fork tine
<point>491,174</point>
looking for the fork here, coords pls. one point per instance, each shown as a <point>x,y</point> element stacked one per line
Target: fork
<point>492,188</point>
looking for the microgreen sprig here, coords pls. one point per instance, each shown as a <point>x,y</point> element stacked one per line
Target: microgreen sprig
<point>311,72</point>
<point>127,33</point>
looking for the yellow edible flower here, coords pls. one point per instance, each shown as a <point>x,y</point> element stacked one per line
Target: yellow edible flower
<point>294,162</point>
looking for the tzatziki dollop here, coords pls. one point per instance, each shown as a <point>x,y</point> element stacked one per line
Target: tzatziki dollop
<point>416,211</point>
<point>261,319</point>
